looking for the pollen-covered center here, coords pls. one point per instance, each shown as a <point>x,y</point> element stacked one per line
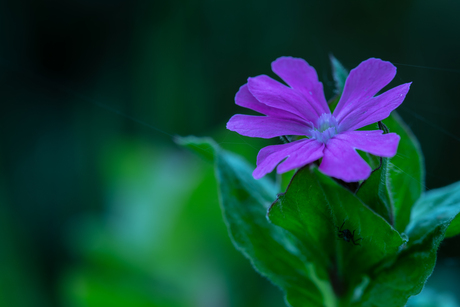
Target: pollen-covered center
<point>326,127</point>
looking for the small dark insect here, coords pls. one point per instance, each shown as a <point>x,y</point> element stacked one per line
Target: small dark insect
<point>347,235</point>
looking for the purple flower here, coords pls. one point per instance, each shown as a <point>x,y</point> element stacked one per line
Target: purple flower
<point>301,109</point>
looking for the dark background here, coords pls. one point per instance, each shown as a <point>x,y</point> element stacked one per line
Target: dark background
<point>98,207</point>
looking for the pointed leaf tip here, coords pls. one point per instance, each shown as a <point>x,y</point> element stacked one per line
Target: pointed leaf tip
<point>205,147</point>
<point>339,73</point>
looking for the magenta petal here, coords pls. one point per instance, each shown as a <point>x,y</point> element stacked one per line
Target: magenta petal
<point>309,153</point>
<point>277,95</point>
<point>373,142</point>
<point>298,154</point>
<point>303,78</point>
<point>342,161</point>
<point>245,99</point>
<point>363,83</point>
<point>375,109</point>
<point>265,126</point>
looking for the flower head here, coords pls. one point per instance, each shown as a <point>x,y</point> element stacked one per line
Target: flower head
<point>301,109</point>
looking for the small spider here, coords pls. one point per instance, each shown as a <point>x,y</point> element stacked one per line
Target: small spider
<point>347,235</point>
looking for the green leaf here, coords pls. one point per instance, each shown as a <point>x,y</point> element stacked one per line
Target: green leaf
<point>333,102</point>
<point>205,146</point>
<point>406,171</point>
<point>393,190</point>
<point>285,179</point>
<point>436,207</point>
<point>404,176</point>
<point>273,251</point>
<point>454,227</point>
<point>393,285</point>
<point>339,73</point>
<point>430,220</point>
<point>313,209</point>
<point>375,193</point>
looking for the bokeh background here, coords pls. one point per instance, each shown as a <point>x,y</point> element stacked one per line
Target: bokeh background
<point>99,207</point>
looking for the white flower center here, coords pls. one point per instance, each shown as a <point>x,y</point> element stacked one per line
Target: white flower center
<point>326,127</point>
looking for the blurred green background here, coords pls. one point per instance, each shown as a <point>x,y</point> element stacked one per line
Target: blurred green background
<point>99,207</point>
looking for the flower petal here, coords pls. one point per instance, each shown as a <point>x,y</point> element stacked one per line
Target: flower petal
<point>265,126</point>
<point>375,109</point>
<point>277,95</point>
<point>303,78</point>
<point>245,99</point>
<point>298,153</point>
<point>363,83</point>
<point>373,142</point>
<point>342,161</point>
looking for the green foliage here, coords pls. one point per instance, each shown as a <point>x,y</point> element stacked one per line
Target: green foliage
<point>392,190</point>
<point>375,192</point>
<point>205,147</point>
<point>392,285</point>
<point>274,252</point>
<point>454,227</point>
<point>314,209</point>
<point>305,256</point>
<point>407,174</point>
<point>391,193</point>
<point>339,73</point>
<point>160,240</point>
<point>436,207</point>
<point>327,245</point>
